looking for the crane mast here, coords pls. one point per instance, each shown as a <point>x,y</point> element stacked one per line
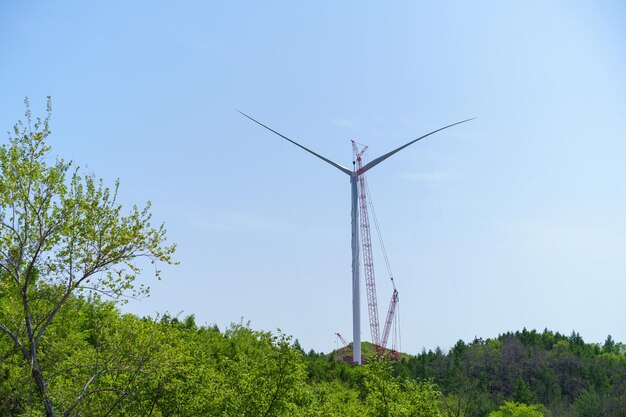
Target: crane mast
<point>366,245</point>
<point>368,261</point>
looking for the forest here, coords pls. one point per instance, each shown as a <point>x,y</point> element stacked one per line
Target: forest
<point>69,256</point>
<point>100,362</point>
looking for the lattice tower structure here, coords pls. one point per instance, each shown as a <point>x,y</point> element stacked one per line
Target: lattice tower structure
<point>366,246</point>
<point>390,316</point>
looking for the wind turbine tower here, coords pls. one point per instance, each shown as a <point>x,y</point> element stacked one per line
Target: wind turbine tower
<point>354,175</point>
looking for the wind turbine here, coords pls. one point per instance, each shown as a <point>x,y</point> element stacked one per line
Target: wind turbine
<point>354,175</point>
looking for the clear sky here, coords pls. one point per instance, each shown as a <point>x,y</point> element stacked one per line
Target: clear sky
<point>514,220</point>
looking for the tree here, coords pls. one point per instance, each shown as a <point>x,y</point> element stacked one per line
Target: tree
<point>609,345</point>
<point>61,233</point>
<point>522,393</point>
<point>387,396</point>
<point>510,409</point>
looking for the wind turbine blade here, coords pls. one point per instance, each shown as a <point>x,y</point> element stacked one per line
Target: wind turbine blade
<point>339,167</point>
<point>380,159</point>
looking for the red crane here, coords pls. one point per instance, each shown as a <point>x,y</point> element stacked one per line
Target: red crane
<point>368,261</point>
<point>366,246</point>
<point>393,304</point>
<point>343,341</point>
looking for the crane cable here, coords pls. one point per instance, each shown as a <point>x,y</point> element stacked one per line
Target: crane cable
<point>396,342</point>
<point>380,237</point>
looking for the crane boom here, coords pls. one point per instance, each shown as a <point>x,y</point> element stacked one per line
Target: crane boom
<point>343,341</point>
<point>390,316</point>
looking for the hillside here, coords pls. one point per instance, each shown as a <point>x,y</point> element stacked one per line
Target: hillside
<point>344,354</point>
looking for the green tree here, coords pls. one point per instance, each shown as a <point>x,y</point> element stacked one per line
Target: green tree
<point>511,409</point>
<point>609,345</point>
<point>387,396</point>
<point>522,393</point>
<point>61,233</point>
<point>590,404</point>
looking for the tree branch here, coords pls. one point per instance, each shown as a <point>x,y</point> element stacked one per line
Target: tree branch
<point>15,340</point>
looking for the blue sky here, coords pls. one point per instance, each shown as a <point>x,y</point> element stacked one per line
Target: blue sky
<point>513,220</point>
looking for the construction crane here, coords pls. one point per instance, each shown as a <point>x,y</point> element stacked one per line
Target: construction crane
<point>366,245</point>
<point>393,304</point>
<point>368,260</point>
<point>343,341</point>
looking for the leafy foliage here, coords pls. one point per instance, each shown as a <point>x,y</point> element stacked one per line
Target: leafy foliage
<point>61,233</point>
<point>102,362</point>
<point>510,409</point>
